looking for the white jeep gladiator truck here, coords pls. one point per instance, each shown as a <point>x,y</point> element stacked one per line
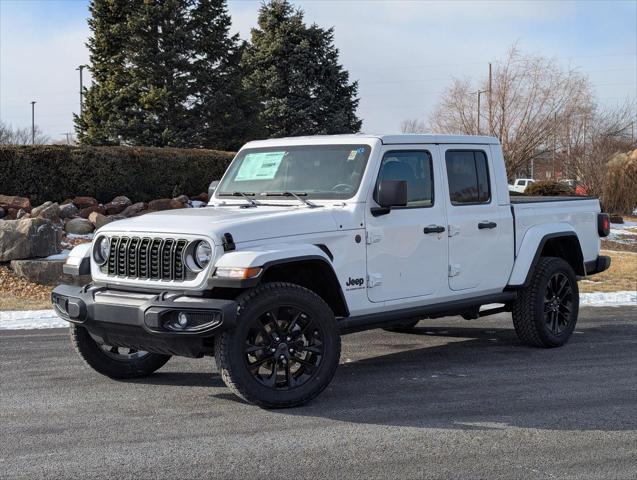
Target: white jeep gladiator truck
<point>309,238</point>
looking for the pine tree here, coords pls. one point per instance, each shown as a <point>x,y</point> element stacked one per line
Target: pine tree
<point>165,73</point>
<point>294,71</point>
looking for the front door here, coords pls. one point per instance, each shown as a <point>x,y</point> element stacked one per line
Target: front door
<point>477,245</point>
<point>407,248</point>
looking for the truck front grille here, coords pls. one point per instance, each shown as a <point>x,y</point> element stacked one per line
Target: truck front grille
<point>147,258</point>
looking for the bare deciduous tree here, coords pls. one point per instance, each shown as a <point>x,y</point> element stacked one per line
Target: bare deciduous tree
<point>413,125</point>
<point>531,96</point>
<point>21,136</point>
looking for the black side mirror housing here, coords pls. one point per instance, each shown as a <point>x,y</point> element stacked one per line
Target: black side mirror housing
<point>390,193</point>
<point>213,186</point>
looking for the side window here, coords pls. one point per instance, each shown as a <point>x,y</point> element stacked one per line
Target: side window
<point>468,177</point>
<point>415,167</point>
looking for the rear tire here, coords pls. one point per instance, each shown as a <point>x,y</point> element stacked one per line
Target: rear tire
<point>284,349</point>
<point>109,361</point>
<point>545,313</point>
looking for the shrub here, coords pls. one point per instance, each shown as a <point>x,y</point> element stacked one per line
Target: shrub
<point>549,189</point>
<point>620,183</point>
<point>52,172</point>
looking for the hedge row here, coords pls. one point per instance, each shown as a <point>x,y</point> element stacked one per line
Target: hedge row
<point>56,173</point>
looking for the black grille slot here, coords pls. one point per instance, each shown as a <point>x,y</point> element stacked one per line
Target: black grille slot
<point>148,258</point>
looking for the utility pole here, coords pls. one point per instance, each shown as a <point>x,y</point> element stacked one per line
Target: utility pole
<point>490,101</point>
<point>33,102</point>
<point>480,92</point>
<point>80,68</point>
<point>68,137</point>
<point>554,142</point>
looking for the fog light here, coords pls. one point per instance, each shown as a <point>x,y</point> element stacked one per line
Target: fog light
<point>182,319</point>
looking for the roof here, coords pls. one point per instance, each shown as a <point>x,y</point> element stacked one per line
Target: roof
<point>391,139</point>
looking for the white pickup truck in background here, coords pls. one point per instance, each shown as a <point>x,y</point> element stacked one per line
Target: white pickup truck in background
<point>305,239</point>
<point>520,184</point>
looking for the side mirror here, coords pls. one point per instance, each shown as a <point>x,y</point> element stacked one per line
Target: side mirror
<point>390,193</point>
<point>213,186</point>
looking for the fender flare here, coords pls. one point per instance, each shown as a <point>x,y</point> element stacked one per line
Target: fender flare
<point>534,241</point>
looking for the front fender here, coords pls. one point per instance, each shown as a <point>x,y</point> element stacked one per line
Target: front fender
<point>79,260</point>
<point>531,248</point>
<point>263,256</point>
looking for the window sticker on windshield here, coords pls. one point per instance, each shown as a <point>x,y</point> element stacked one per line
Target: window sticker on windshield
<point>259,166</point>
<point>352,155</point>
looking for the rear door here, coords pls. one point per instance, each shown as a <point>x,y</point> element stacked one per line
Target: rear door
<point>407,248</point>
<point>475,222</point>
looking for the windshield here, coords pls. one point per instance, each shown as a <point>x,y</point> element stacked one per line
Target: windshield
<point>312,171</point>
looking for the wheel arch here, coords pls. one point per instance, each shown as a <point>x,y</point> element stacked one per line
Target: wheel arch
<point>562,244</point>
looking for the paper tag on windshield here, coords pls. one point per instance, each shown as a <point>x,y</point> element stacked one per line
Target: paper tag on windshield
<point>259,166</point>
<point>352,155</point>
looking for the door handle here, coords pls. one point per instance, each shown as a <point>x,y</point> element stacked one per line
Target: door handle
<point>433,229</point>
<point>483,225</point>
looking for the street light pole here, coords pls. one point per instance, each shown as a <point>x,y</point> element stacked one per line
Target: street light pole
<point>480,92</point>
<point>33,102</point>
<point>80,68</point>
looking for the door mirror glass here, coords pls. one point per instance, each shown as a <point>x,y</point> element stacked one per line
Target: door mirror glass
<point>392,193</point>
<point>212,188</point>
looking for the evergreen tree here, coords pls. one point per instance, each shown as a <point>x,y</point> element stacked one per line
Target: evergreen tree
<point>294,71</point>
<point>165,73</point>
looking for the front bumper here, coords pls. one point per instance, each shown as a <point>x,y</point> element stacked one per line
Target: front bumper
<point>140,319</point>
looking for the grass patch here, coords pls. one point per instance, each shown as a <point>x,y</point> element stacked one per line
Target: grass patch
<point>622,274</point>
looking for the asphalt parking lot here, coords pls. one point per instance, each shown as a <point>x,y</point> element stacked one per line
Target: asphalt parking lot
<point>453,399</point>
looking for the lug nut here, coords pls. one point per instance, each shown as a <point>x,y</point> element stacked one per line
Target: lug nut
<point>288,339</point>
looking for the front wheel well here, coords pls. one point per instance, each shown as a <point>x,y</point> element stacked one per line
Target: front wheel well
<point>315,275</point>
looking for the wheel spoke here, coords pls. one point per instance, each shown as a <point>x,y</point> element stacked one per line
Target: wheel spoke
<point>305,363</point>
<point>318,349</point>
<point>261,361</point>
<point>250,348</point>
<point>563,283</point>
<point>114,350</point>
<point>271,380</point>
<point>292,323</point>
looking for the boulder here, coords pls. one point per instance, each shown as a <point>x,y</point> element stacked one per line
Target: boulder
<point>47,210</point>
<point>68,210</point>
<point>182,199</point>
<point>84,202</point>
<point>21,214</point>
<point>615,218</point>
<point>79,226</point>
<point>99,220</point>
<point>85,212</point>
<point>42,271</point>
<point>133,209</point>
<point>162,204</point>
<point>117,205</point>
<point>202,197</point>
<point>11,214</point>
<point>18,203</point>
<point>28,238</point>
<point>2,212</point>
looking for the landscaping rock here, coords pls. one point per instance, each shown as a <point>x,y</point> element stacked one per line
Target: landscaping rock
<point>117,205</point>
<point>68,210</point>
<point>133,209</point>
<point>17,203</point>
<point>614,218</point>
<point>84,202</point>
<point>42,271</point>
<point>162,204</point>
<point>2,212</point>
<point>182,199</point>
<point>28,238</point>
<point>21,214</point>
<point>47,210</point>
<point>202,197</point>
<point>99,220</point>
<point>85,212</point>
<point>11,214</point>
<point>79,226</point>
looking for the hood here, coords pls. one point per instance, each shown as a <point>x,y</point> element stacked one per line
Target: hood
<point>245,224</point>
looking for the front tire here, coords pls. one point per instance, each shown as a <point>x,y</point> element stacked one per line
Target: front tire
<point>545,313</point>
<point>285,348</point>
<point>114,362</point>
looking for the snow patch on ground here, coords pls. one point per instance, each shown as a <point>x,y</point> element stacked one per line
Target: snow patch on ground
<point>35,319</point>
<point>88,236</point>
<point>625,233</point>
<point>198,203</point>
<point>60,256</point>
<point>30,319</point>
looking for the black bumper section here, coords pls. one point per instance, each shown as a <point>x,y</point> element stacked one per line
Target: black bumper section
<point>598,265</point>
<point>141,320</point>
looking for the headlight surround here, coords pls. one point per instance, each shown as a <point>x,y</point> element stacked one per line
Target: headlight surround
<point>202,254</point>
<point>101,250</point>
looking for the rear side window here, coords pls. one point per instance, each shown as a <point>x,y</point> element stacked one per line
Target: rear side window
<point>414,167</point>
<point>468,177</point>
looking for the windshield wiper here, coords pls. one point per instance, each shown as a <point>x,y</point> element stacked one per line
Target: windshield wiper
<point>245,195</point>
<point>299,196</point>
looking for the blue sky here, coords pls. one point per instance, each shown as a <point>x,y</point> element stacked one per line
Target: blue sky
<point>403,53</point>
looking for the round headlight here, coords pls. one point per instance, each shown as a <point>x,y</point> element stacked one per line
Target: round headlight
<point>203,254</point>
<point>101,250</point>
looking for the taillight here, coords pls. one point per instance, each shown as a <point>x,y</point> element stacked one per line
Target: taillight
<point>603,224</point>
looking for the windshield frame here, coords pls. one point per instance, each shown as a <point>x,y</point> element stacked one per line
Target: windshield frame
<point>223,192</point>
